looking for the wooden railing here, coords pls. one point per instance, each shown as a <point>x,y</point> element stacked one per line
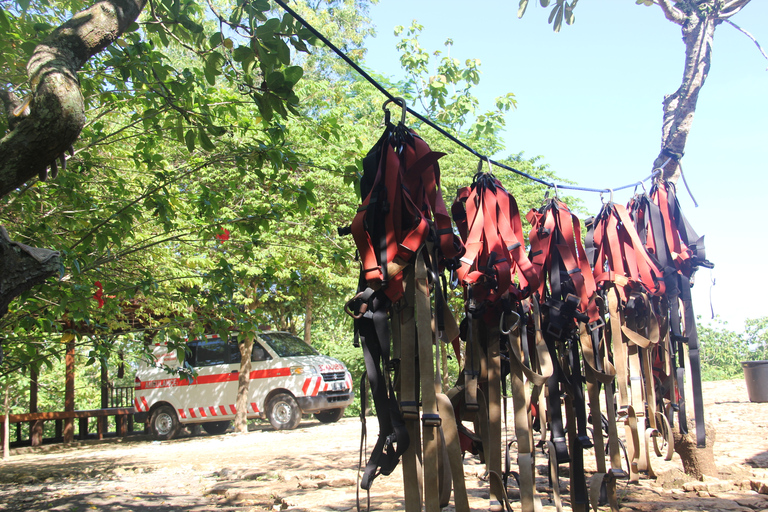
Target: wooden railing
<point>64,429</point>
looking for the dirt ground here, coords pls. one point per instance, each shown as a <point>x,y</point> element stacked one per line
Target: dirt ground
<point>314,468</point>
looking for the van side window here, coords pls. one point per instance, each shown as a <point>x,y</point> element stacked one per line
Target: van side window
<point>234,351</point>
<point>208,353</point>
<point>259,353</point>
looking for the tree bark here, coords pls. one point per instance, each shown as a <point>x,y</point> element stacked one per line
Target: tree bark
<point>308,318</point>
<point>22,267</point>
<point>57,113</point>
<point>69,390</point>
<point>243,384</point>
<point>6,424</point>
<point>698,21</point>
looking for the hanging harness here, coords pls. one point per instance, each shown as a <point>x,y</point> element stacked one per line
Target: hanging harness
<point>496,276</point>
<point>404,238</point>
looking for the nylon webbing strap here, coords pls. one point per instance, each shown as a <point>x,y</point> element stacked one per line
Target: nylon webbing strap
<point>429,416</point>
<point>409,403</point>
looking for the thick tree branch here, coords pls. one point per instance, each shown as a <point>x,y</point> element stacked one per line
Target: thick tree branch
<point>671,12</point>
<point>731,8</point>
<point>57,112</point>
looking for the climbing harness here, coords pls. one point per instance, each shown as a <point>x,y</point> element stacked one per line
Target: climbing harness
<point>404,237</point>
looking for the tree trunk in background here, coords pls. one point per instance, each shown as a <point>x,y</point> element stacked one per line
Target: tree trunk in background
<point>6,425</point>
<point>35,427</point>
<point>69,389</point>
<point>104,394</point>
<point>243,383</point>
<point>308,318</point>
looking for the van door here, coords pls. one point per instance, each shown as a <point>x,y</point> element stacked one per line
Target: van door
<point>260,385</point>
<point>210,396</point>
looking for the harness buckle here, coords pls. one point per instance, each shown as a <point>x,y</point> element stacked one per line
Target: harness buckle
<point>431,420</point>
<point>357,303</point>
<point>597,324</point>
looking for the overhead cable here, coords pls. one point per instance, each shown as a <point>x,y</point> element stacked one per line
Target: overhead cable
<point>439,129</point>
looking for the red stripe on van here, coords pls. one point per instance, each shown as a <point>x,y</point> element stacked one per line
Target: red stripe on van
<point>182,414</point>
<point>306,385</point>
<point>192,413</point>
<point>213,379</point>
<point>212,410</point>
<point>202,412</point>
<point>223,410</point>
<point>253,406</point>
<point>317,387</point>
<point>145,404</point>
<point>233,409</point>
<point>272,372</point>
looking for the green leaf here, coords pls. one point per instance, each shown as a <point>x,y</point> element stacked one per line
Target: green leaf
<point>215,40</point>
<point>284,53</point>
<point>179,129</point>
<point>5,23</point>
<point>189,138</point>
<point>24,4</point>
<point>28,47</point>
<point>293,74</point>
<point>205,142</point>
<point>275,80</point>
<point>267,30</point>
<point>521,8</point>
<point>241,53</point>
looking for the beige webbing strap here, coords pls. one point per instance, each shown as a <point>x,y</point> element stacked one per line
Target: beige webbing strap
<point>633,444</point>
<point>444,469</point>
<point>638,407</point>
<point>430,417</point>
<point>594,379</point>
<point>453,448</point>
<point>617,343</point>
<point>494,414</point>
<point>521,404</point>
<point>405,331</point>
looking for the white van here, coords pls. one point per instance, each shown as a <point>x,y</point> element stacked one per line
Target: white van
<point>288,378</point>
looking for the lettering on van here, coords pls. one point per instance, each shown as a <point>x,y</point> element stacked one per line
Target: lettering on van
<point>332,367</point>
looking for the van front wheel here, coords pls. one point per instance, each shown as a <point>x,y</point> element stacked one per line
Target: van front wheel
<point>283,412</point>
<point>164,423</point>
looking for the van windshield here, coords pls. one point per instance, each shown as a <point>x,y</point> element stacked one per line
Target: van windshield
<point>287,345</point>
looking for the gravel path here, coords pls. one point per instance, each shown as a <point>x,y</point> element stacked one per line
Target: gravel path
<point>313,468</point>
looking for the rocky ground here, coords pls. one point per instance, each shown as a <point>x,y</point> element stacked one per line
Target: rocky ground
<point>314,468</point>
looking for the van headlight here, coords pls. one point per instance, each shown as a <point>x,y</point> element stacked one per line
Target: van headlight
<point>303,370</point>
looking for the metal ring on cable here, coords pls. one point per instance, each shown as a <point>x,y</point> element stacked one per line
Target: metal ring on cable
<point>399,101</point>
<point>515,326</point>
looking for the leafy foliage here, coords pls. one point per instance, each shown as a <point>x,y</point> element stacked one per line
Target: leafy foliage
<point>723,350</point>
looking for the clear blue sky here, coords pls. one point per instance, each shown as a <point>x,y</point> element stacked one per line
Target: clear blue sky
<point>589,102</point>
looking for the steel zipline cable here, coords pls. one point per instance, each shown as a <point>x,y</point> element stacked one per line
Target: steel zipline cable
<point>440,130</point>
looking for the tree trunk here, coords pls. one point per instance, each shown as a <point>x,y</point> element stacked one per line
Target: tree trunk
<point>243,383</point>
<point>308,318</point>
<point>698,24</point>
<point>696,461</point>
<point>6,425</point>
<point>69,389</point>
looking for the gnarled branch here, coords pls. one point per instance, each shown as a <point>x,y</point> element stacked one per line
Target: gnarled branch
<point>57,112</point>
